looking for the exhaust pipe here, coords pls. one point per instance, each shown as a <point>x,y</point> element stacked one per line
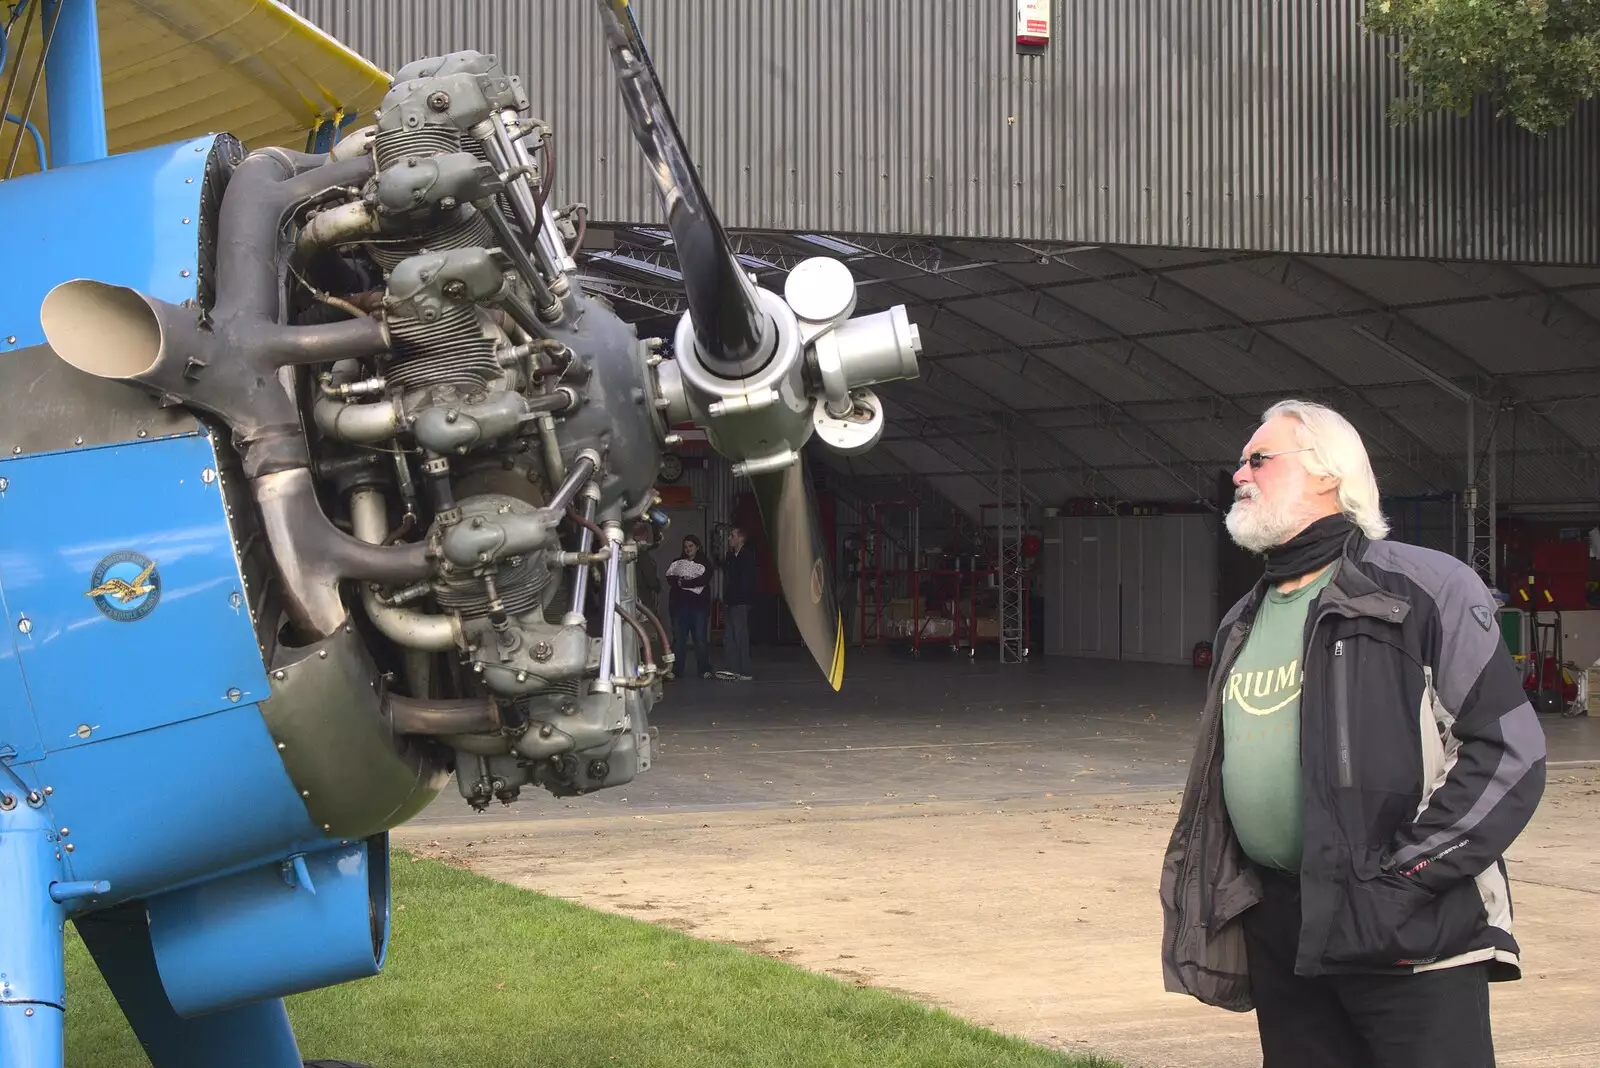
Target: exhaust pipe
<point>119,333</point>
<point>313,555</point>
<point>441,716</point>
<point>411,629</point>
<point>228,365</point>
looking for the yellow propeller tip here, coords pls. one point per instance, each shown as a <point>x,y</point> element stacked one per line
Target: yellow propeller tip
<point>836,670</point>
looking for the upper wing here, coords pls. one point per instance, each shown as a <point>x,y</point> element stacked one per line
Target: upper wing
<point>175,69</point>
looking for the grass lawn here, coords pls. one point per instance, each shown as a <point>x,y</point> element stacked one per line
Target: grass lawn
<point>484,974</point>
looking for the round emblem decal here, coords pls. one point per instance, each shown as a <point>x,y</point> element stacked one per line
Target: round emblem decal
<point>816,582</point>
<point>125,586</point>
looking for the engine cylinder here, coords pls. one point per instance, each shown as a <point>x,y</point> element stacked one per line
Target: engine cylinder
<point>393,146</point>
<point>518,581</point>
<point>451,350</point>
<point>464,229</point>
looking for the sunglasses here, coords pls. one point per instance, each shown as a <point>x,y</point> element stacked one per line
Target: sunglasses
<point>1256,459</point>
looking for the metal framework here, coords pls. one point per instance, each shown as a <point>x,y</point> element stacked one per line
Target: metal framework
<point>1109,406</point>
<point>1010,521</point>
<point>1481,501</point>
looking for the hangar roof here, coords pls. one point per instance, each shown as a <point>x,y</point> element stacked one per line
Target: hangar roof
<point>1137,374</point>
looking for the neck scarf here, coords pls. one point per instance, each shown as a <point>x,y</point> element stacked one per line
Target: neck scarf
<point>1313,548</point>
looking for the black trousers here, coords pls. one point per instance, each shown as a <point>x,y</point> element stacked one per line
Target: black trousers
<point>1428,1020</point>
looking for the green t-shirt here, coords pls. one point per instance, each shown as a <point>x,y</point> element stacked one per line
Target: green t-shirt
<point>1261,782</point>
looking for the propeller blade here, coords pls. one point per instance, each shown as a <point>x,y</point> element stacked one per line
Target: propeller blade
<point>732,332</point>
<point>794,534</point>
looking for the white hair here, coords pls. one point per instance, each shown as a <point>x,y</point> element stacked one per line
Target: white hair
<point>1337,451</point>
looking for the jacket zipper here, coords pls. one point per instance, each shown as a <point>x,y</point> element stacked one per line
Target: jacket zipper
<point>1341,712</point>
<point>1201,799</point>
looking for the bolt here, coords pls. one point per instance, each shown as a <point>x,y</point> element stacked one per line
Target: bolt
<point>673,439</point>
<point>65,831</point>
<point>25,625</point>
<point>143,433</point>
<point>71,848</point>
<point>34,800</point>
<point>234,694</point>
<point>281,747</point>
<point>322,654</point>
<point>186,222</point>
<point>184,273</point>
<point>208,476</point>
<point>451,416</point>
<point>327,827</point>
<point>77,441</point>
<point>455,289</point>
<point>5,484</point>
<point>522,676</point>
<point>16,450</point>
<point>280,674</point>
<point>439,101</point>
<point>11,339</point>
<point>27,1012</point>
<point>84,730</point>
<point>7,802</point>
<point>447,203</point>
<point>236,599</point>
<point>543,652</point>
<point>305,793</point>
<point>49,791</point>
<point>599,769</point>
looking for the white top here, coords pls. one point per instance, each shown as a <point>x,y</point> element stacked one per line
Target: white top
<point>688,570</point>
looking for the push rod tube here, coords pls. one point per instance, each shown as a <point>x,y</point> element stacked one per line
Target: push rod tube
<point>580,580</point>
<point>582,470</point>
<point>608,629</point>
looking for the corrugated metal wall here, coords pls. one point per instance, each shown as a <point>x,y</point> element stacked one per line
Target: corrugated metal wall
<point>1239,124</point>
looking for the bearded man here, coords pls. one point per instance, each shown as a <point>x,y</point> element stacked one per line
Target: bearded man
<point>1366,756</point>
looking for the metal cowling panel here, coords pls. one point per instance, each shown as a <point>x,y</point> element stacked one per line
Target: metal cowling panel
<point>1238,124</point>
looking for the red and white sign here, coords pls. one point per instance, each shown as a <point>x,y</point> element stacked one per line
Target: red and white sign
<point>1033,22</point>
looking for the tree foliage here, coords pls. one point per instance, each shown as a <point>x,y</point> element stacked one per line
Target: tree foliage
<point>1538,59</point>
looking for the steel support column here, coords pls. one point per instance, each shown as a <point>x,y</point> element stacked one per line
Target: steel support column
<point>1480,502</point>
<point>77,105</point>
<point>1009,523</point>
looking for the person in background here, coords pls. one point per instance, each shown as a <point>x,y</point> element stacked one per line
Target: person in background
<point>690,600</point>
<point>1367,755</point>
<point>738,594</point>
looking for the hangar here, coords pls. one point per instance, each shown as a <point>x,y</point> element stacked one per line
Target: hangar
<point>1119,245</point>
<point>1119,241</point>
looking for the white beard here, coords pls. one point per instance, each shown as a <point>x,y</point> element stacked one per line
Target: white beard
<point>1256,526</point>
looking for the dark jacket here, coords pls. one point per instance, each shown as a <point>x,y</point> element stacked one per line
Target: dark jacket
<point>1422,761</point>
<point>739,577</point>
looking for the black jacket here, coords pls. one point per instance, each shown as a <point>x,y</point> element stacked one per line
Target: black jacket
<point>1422,761</point>
<point>739,577</point>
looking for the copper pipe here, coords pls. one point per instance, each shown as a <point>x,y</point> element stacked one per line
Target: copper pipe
<point>644,639</point>
<point>666,646</point>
